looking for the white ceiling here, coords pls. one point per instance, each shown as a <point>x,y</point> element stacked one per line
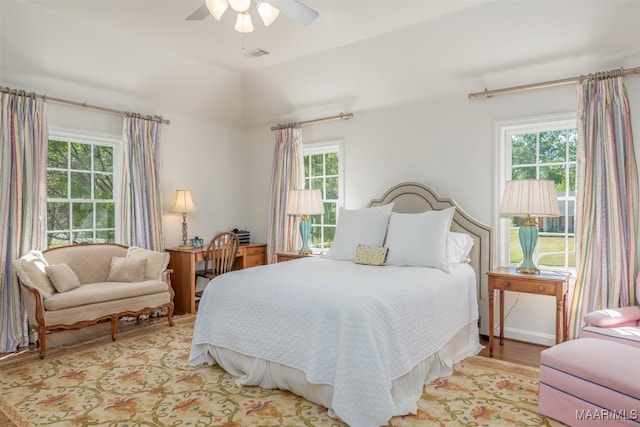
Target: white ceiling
<point>357,55</point>
<point>163,23</point>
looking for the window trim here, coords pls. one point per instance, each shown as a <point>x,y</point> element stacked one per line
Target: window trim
<point>93,138</point>
<point>502,161</point>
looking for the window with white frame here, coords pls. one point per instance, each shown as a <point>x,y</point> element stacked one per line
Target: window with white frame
<point>323,170</point>
<point>541,149</point>
<point>82,189</point>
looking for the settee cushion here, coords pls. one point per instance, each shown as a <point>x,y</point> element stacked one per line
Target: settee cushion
<point>127,269</point>
<point>30,268</point>
<point>103,291</point>
<point>157,262</point>
<point>62,277</point>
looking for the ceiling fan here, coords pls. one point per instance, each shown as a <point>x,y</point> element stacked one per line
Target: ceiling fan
<point>268,11</point>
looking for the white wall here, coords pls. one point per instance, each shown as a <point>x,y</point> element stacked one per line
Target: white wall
<point>448,144</point>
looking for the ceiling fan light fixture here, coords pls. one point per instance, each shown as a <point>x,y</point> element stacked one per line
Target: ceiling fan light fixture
<point>267,12</point>
<point>240,5</point>
<point>243,23</point>
<point>217,7</point>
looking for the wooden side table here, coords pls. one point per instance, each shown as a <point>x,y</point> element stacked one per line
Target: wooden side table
<point>288,256</point>
<point>508,279</point>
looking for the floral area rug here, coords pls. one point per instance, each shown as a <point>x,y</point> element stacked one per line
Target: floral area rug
<point>143,379</point>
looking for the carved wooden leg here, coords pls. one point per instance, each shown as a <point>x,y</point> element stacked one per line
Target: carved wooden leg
<point>170,315</point>
<point>114,328</point>
<point>42,341</point>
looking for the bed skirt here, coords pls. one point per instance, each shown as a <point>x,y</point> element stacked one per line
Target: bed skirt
<point>406,390</point>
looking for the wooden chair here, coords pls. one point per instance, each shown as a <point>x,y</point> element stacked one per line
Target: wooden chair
<point>220,256</point>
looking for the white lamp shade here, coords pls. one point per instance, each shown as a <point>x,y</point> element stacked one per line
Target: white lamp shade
<point>305,202</point>
<point>243,23</point>
<point>182,202</point>
<point>240,5</point>
<point>217,7</point>
<point>535,197</point>
<point>267,12</point>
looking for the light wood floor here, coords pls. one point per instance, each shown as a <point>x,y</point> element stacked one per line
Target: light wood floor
<point>514,351</point>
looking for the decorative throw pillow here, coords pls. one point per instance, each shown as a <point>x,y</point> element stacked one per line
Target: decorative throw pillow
<point>459,247</point>
<point>63,277</point>
<point>359,227</point>
<point>419,240</point>
<point>30,269</point>
<point>369,255</point>
<point>157,262</point>
<point>127,269</point>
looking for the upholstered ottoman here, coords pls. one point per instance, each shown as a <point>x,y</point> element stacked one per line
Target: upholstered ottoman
<point>590,382</point>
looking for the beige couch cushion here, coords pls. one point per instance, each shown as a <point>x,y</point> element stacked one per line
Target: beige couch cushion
<point>62,277</point>
<point>127,269</point>
<point>91,263</point>
<point>102,292</point>
<point>30,268</point>
<point>157,262</point>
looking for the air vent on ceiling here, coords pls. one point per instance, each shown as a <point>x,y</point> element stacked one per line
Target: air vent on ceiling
<point>256,53</point>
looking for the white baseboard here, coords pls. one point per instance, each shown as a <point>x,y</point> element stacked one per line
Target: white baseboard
<point>526,336</point>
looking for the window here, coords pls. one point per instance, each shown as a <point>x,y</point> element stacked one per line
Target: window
<point>544,149</point>
<point>81,189</point>
<point>323,170</point>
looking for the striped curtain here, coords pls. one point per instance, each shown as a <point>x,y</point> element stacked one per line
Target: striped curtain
<point>281,231</point>
<point>141,207</point>
<point>606,201</point>
<point>23,156</point>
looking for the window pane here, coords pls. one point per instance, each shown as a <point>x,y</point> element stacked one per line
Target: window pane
<point>82,215</point>
<point>80,185</point>
<point>316,165</point>
<point>306,160</point>
<point>555,174</point>
<point>57,239</point>
<point>523,149</point>
<point>57,184</point>
<point>57,216</point>
<point>332,188</point>
<point>103,186</point>
<point>523,173</point>
<point>103,159</point>
<point>330,213</point>
<point>572,179</point>
<point>553,146</point>
<point>329,233</point>
<point>80,156</point>
<point>332,163</point>
<point>57,154</point>
<point>316,184</point>
<point>105,215</point>
<point>572,140</point>
<point>105,236</point>
<point>83,237</point>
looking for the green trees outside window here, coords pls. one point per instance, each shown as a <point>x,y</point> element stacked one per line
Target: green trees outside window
<point>80,193</point>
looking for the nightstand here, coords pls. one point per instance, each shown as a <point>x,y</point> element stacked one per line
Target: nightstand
<point>545,283</point>
<point>288,256</point>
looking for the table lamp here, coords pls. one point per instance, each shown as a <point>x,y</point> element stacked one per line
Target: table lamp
<point>529,198</point>
<point>182,203</point>
<point>304,203</point>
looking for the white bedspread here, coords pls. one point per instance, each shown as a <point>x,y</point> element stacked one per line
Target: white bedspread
<point>351,326</point>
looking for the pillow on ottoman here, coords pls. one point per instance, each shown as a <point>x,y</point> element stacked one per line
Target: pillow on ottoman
<point>127,269</point>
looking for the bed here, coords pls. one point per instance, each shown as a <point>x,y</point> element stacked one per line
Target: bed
<point>359,339</point>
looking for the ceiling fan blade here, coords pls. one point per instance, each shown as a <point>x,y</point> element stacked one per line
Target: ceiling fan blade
<point>296,10</point>
<point>199,14</point>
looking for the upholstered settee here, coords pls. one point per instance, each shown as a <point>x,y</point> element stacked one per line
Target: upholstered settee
<point>69,287</point>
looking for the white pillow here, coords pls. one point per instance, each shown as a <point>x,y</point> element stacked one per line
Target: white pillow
<point>419,240</point>
<point>459,247</point>
<point>366,226</point>
<point>157,262</point>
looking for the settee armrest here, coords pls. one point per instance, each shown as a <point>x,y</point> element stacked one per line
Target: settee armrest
<point>611,317</point>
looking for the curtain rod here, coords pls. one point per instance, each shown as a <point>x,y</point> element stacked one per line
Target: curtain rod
<point>81,104</point>
<point>552,83</point>
<point>341,116</point>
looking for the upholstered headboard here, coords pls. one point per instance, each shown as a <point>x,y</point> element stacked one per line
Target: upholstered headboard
<point>412,197</point>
